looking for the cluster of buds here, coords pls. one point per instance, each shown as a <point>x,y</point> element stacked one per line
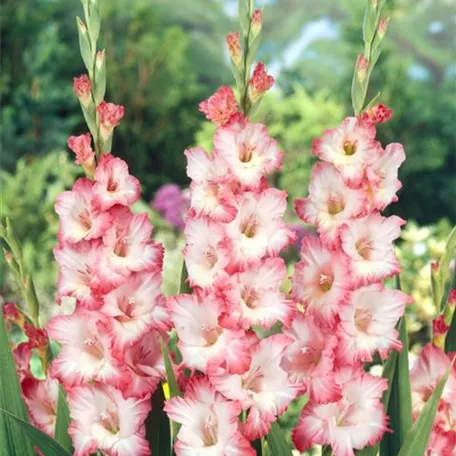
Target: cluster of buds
<point>348,315</point>
<point>235,233</point>
<point>40,395</point>
<point>251,87</point>
<point>110,360</point>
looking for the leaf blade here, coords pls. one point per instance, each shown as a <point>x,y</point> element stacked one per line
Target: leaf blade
<point>46,444</point>
<point>158,426</point>
<point>63,422</point>
<point>277,442</point>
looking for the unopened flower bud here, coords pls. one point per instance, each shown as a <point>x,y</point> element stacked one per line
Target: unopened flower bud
<point>435,267</point>
<point>361,67</point>
<point>378,114</point>
<point>82,26</point>
<point>382,27</point>
<point>8,256</point>
<point>85,156</point>
<point>100,59</point>
<point>260,82</point>
<point>110,114</point>
<point>82,88</point>
<point>234,47</point>
<point>257,22</point>
<point>13,314</point>
<point>439,331</point>
<point>37,337</point>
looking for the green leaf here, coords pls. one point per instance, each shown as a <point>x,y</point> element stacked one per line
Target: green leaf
<point>373,102</point>
<point>326,450</point>
<point>277,443</point>
<point>244,16</point>
<point>84,46</point>
<point>158,428</point>
<point>100,77</point>
<point>400,400</point>
<point>94,22</point>
<point>63,422</point>
<point>46,444</point>
<point>416,440</point>
<point>89,116</point>
<point>11,439</point>
<point>184,285</point>
<point>258,447</point>
<point>172,382</point>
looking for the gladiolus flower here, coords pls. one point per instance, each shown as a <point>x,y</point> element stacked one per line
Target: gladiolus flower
<point>82,88</point>
<point>309,359</point>
<point>321,280</point>
<point>202,340</point>
<point>211,194</point>
<point>368,322</point>
<point>220,107</point>
<point>258,228</point>
<point>379,113</point>
<point>110,115</point>
<point>248,150</point>
<point>254,296</point>
<point>12,313</point>
<point>41,397</point>
<point>79,220</point>
<point>355,421</point>
<point>209,422</point>
<point>349,148</point>
<point>87,352</point>
<point>264,389</point>
<point>103,419</point>
<point>330,203</point>
<point>260,82</point>
<point>113,184</point>
<point>368,243</point>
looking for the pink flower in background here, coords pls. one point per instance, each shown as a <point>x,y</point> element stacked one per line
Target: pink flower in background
<point>209,422</point>
<point>220,107</point>
<point>82,88</point>
<point>172,204</point>
<point>110,115</point>
<point>81,146</point>
<point>103,419</point>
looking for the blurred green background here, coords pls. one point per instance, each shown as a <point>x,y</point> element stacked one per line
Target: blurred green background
<point>165,57</point>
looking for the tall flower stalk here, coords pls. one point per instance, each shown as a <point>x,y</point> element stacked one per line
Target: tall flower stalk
<point>235,233</point>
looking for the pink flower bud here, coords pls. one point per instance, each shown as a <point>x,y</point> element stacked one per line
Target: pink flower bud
<point>439,327</point>
<point>382,26</point>
<point>8,256</point>
<point>82,88</point>
<point>260,82</point>
<point>361,67</point>
<point>13,314</point>
<point>80,145</point>
<point>378,114</point>
<point>452,298</point>
<point>435,267</point>
<point>220,107</point>
<point>110,114</point>
<point>257,22</point>
<point>234,47</point>
<point>37,337</point>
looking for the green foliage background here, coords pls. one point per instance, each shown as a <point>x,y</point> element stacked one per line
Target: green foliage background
<point>165,57</point>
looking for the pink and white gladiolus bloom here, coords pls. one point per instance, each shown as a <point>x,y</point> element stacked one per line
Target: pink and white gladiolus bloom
<point>209,422</point>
